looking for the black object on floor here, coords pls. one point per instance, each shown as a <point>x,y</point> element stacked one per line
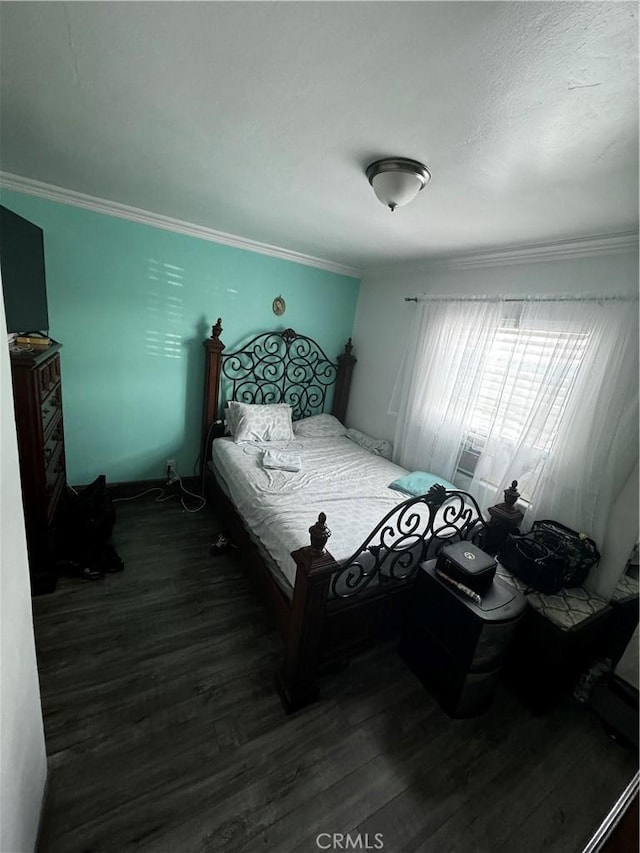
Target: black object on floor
<point>222,544</point>
<point>107,559</point>
<point>83,530</point>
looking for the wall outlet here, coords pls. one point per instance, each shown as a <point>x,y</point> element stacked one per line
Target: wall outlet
<point>172,473</point>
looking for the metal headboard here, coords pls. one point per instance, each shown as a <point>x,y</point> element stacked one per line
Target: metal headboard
<point>279,367</point>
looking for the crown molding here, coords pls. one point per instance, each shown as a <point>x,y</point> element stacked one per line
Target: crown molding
<point>580,247</point>
<point>157,220</point>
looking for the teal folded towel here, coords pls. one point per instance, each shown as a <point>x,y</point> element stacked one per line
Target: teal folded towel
<point>419,482</point>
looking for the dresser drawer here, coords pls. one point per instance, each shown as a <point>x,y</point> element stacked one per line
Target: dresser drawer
<point>48,376</point>
<point>54,495</point>
<point>54,469</point>
<point>54,439</point>
<point>51,408</point>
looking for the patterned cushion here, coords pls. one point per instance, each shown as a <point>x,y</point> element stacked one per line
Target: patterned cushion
<point>627,587</point>
<point>567,609</point>
<point>377,446</point>
<point>319,426</point>
<point>505,575</point>
<point>418,483</point>
<point>262,423</point>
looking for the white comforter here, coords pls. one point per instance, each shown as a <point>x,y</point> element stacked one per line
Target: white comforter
<point>349,484</point>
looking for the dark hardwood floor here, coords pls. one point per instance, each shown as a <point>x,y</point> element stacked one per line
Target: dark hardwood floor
<point>164,731</point>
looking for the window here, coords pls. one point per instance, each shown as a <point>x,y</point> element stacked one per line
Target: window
<point>541,390</point>
<point>528,371</point>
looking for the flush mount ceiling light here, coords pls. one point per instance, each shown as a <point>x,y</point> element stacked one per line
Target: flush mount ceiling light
<point>396,181</point>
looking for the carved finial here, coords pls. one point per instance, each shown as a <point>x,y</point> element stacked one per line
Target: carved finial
<point>511,494</point>
<point>217,329</point>
<point>289,335</point>
<point>507,511</point>
<point>504,519</point>
<point>319,533</point>
<point>346,359</point>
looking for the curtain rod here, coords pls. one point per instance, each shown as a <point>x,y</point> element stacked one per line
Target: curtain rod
<point>558,298</point>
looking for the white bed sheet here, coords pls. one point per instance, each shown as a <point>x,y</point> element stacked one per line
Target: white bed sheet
<point>349,484</point>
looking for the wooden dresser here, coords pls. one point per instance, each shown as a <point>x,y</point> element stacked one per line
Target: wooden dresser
<point>37,394</point>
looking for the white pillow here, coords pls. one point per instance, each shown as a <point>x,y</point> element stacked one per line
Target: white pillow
<point>261,423</point>
<point>319,426</point>
<point>377,446</point>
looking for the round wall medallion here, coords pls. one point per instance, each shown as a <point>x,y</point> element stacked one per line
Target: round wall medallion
<point>279,306</point>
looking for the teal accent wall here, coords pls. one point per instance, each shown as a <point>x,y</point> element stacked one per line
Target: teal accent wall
<point>131,305</point>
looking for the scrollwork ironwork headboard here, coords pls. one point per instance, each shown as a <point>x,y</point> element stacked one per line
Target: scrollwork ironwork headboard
<point>274,367</point>
<point>279,367</point>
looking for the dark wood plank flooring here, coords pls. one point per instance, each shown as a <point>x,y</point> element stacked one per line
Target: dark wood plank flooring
<point>164,731</point>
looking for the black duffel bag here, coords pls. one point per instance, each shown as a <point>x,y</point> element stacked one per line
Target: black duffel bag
<point>549,557</point>
<point>84,525</point>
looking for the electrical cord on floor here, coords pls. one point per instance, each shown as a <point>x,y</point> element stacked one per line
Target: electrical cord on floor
<point>202,500</point>
<point>162,497</point>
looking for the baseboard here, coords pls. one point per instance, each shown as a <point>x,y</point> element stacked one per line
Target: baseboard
<point>133,488</point>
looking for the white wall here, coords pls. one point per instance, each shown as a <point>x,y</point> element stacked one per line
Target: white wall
<point>23,765</point>
<point>382,316</point>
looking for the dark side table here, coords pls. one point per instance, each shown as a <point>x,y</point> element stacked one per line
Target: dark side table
<point>456,646</point>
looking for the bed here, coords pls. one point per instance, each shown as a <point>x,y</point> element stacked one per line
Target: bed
<point>333,549</point>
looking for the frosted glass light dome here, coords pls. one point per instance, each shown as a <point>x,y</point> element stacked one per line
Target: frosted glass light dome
<point>397,181</point>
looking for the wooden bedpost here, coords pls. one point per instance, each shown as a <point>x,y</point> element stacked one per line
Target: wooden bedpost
<point>296,680</point>
<point>504,519</point>
<point>346,363</point>
<point>213,350</point>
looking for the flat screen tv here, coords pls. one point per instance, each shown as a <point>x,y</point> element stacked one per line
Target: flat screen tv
<point>23,276</point>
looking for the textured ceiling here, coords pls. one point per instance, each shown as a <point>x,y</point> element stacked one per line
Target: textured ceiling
<point>258,119</point>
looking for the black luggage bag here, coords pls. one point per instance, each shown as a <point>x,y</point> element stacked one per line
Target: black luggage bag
<point>550,556</point>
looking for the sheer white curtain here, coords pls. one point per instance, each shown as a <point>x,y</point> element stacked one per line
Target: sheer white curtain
<point>445,355</point>
<point>596,446</point>
<point>547,390</point>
